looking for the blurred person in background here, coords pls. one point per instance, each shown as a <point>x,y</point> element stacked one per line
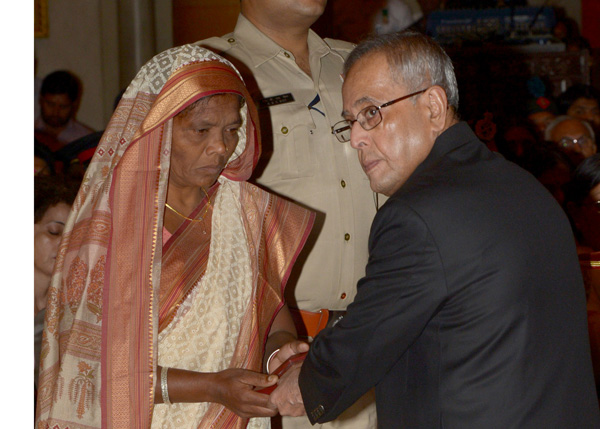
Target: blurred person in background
<point>583,102</point>
<point>574,136</point>
<point>53,197</point>
<point>59,100</point>
<point>540,108</point>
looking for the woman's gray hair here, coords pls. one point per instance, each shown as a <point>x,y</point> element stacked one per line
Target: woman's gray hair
<point>562,118</point>
<point>415,60</point>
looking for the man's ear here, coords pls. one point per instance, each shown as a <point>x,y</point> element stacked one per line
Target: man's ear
<point>437,105</point>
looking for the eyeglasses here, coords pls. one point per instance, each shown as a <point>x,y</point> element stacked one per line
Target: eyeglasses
<point>569,143</point>
<point>368,118</point>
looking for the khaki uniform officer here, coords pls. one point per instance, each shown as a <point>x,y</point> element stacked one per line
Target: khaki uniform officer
<point>307,164</point>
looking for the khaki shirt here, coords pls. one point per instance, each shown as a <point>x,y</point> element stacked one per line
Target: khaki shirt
<point>304,161</point>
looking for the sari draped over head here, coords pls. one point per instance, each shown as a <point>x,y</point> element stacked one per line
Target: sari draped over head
<point>119,293</point>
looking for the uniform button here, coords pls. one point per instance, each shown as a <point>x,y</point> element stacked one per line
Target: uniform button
<point>343,183</point>
<point>284,130</point>
<point>347,237</point>
<point>343,296</point>
<point>231,40</point>
<point>286,54</point>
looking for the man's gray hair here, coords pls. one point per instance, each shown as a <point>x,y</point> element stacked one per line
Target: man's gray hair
<point>415,61</point>
<point>563,118</point>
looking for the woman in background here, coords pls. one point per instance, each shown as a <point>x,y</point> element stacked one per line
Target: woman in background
<point>53,197</point>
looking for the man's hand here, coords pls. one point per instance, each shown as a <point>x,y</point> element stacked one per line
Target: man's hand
<point>287,397</point>
<point>287,351</point>
<point>234,388</point>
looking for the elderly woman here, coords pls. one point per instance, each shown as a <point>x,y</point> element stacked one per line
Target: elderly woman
<point>168,292</point>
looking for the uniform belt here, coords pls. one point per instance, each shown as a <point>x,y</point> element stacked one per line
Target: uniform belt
<point>310,323</point>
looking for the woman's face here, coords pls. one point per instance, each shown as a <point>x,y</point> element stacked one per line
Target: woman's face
<point>47,234</point>
<point>203,140</point>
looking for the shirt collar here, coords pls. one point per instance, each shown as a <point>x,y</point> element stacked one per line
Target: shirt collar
<point>264,49</point>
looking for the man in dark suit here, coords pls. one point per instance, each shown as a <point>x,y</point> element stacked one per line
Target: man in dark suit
<point>472,310</point>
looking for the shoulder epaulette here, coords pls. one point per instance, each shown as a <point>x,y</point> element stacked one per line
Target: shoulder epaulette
<point>218,44</point>
<point>340,45</point>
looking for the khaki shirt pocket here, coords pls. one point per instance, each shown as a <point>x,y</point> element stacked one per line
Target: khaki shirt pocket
<point>293,143</point>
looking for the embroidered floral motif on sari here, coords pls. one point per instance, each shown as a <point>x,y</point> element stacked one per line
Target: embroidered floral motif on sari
<point>81,389</point>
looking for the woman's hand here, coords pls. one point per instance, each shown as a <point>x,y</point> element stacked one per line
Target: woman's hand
<point>234,388</point>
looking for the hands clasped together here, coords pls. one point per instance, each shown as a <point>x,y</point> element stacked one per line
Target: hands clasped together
<point>238,388</point>
<point>286,398</point>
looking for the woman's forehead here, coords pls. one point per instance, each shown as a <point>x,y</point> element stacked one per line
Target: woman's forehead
<point>211,102</point>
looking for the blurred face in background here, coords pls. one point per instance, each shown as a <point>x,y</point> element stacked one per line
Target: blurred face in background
<point>47,235</point>
<point>586,109</point>
<point>56,109</point>
<point>574,139</point>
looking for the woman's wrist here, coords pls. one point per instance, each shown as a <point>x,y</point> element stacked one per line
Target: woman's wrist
<point>275,342</point>
<point>184,386</point>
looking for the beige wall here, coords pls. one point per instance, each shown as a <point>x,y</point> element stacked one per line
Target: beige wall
<point>83,38</point>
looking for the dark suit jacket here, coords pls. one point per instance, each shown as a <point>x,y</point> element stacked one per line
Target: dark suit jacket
<point>472,311</point>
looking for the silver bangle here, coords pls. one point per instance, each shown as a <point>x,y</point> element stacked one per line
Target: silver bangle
<point>270,358</point>
<point>164,387</point>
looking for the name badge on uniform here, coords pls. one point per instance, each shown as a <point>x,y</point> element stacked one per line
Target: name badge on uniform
<point>276,99</point>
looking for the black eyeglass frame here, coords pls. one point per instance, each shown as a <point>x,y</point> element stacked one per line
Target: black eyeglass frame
<point>339,127</point>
